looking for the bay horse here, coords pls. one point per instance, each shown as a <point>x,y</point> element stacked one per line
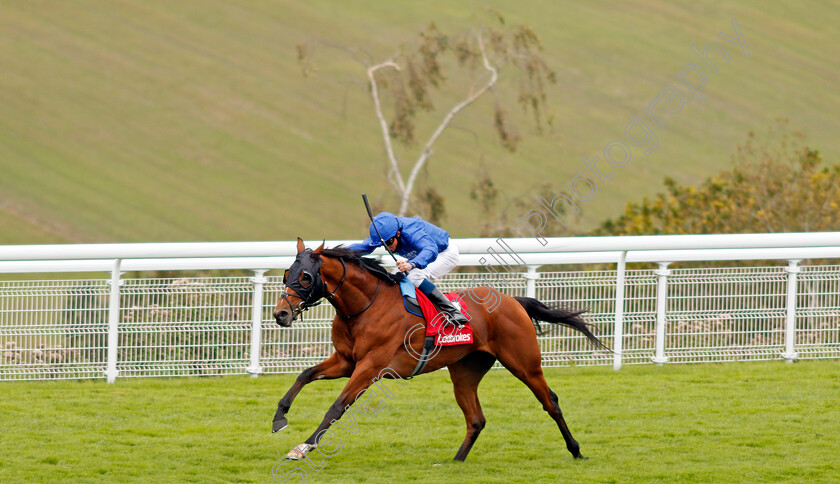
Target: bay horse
<point>371,329</point>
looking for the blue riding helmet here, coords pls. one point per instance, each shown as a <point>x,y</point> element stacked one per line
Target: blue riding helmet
<point>387,224</point>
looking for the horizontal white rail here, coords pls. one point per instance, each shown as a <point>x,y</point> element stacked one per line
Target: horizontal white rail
<point>466,246</point>
<point>529,259</point>
<point>119,326</point>
<point>128,265</point>
<point>659,242</point>
<point>146,251</point>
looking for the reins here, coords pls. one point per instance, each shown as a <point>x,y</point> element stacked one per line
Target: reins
<point>331,296</point>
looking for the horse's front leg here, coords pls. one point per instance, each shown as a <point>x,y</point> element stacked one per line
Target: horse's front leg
<point>333,367</point>
<point>364,375</point>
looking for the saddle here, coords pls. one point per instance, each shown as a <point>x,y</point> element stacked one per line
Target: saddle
<point>409,293</point>
<point>437,326</point>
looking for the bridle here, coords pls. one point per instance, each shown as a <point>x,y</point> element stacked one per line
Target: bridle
<point>310,298</point>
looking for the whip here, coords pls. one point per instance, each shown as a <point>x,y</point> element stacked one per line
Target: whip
<point>370,214</point>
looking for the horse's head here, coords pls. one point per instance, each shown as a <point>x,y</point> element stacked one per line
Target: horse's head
<point>304,285</point>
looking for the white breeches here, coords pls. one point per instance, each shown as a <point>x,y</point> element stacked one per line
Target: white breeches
<point>445,262</point>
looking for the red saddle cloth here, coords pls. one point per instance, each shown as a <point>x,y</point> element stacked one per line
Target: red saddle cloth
<point>445,334</point>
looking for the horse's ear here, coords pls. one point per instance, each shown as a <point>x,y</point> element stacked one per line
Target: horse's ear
<point>300,247</point>
<point>319,249</point>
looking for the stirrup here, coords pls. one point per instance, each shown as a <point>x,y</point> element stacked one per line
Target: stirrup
<point>450,321</point>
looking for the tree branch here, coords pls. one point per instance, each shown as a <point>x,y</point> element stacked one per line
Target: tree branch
<point>394,176</point>
<point>427,149</point>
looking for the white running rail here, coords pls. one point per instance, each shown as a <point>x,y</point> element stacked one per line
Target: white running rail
<point>125,325</point>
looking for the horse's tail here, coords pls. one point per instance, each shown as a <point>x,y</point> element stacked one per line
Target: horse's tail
<point>540,312</point>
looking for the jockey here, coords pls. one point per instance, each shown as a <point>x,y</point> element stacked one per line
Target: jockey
<point>427,250</point>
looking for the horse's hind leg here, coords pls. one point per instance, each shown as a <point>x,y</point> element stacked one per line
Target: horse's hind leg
<point>466,374</point>
<point>525,365</point>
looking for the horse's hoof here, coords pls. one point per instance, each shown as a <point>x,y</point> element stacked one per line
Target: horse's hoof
<point>299,452</point>
<point>279,425</point>
<point>581,457</point>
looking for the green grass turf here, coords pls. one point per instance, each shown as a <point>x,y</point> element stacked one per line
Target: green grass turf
<point>152,120</point>
<point>750,422</point>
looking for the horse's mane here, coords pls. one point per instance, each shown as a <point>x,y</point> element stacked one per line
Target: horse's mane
<point>371,265</point>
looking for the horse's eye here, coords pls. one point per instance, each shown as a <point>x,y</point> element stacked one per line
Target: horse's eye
<point>306,279</point>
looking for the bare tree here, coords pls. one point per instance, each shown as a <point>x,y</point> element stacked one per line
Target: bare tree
<point>412,72</point>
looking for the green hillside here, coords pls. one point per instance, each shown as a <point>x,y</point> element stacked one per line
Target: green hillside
<point>190,120</point>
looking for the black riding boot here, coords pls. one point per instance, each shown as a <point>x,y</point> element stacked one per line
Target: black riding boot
<point>442,304</point>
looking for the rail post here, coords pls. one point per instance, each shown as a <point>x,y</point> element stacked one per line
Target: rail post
<point>619,310</point>
<point>790,307</point>
<point>113,322</point>
<point>254,369</point>
<point>661,299</point>
<point>531,281</point>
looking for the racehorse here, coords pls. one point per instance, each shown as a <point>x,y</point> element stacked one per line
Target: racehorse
<point>370,331</point>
